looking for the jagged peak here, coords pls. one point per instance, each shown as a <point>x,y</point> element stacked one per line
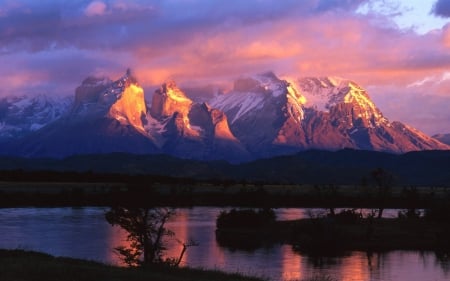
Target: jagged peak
<point>94,81</point>
<point>325,92</point>
<point>267,76</point>
<point>129,77</point>
<point>171,90</point>
<point>169,99</point>
<point>264,83</point>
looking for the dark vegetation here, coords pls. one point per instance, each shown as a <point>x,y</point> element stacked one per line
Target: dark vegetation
<point>378,189</point>
<point>342,167</point>
<point>335,233</point>
<point>246,218</point>
<point>345,178</point>
<point>245,229</point>
<point>31,266</point>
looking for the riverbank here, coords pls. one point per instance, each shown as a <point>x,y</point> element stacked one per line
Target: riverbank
<point>34,266</point>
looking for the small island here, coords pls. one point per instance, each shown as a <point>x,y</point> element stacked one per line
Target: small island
<point>333,232</point>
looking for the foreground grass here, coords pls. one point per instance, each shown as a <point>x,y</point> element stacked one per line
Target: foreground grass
<point>18,265</point>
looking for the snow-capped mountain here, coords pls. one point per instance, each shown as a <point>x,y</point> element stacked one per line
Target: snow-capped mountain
<point>264,112</point>
<point>113,116</point>
<point>22,115</point>
<point>271,116</point>
<point>261,116</point>
<point>105,117</point>
<point>341,114</point>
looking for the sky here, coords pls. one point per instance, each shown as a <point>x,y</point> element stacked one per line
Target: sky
<point>399,50</point>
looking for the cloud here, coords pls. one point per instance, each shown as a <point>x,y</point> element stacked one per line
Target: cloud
<point>419,107</point>
<point>95,8</point>
<point>441,8</point>
<point>325,5</point>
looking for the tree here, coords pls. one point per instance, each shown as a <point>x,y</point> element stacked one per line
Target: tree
<point>384,181</point>
<point>146,230</point>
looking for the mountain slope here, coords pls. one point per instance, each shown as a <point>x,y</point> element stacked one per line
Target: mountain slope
<point>22,115</point>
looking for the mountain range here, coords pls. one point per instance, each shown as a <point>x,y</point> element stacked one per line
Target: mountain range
<point>262,116</point>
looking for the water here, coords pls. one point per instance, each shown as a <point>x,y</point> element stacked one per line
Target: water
<point>83,233</point>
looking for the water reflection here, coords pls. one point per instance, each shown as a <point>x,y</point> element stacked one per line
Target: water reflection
<point>83,233</point>
<point>291,265</point>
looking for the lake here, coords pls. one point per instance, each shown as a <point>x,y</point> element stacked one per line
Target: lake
<point>84,233</point>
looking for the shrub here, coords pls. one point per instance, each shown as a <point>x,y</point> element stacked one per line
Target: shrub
<point>348,216</point>
<point>248,218</point>
<point>440,213</point>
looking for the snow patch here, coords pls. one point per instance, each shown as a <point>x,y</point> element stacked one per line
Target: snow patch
<point>244,101</point>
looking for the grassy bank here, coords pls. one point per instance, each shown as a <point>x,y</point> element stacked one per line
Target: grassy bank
<point>21,265</point>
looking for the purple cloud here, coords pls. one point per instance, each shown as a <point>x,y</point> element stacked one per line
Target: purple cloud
<point>442,8</point>
<point>326,5</point>
<point>119,24</point>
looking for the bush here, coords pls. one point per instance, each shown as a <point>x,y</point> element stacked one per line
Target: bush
<point>248,218</point>
<point>439,213</point>
<point>348,216</point>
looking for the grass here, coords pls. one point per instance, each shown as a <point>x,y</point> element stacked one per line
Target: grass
<point>19,265</point>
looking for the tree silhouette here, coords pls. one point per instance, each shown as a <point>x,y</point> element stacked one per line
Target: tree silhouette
<point>384,181</point>
<point>146,230</point>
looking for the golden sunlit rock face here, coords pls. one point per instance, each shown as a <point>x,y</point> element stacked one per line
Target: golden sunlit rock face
<point>221,128</point>
<point>169,99</point>
<point>130,108</point>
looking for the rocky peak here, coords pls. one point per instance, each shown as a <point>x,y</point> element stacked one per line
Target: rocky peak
<point>342,98</point>
<point>89,91</point>
<point>129,108</point>
<point>169,99</point>
<point>212,121</point>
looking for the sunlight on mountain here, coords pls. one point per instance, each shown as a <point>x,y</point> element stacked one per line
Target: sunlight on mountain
<point>130,107</point>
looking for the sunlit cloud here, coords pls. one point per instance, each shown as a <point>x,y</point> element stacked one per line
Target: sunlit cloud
<point>95,8</point>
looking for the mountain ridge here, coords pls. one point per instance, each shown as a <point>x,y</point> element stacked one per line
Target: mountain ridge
<point>262,116</point>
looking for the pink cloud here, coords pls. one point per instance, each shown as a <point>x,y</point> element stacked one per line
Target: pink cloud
<point>95,8</point>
